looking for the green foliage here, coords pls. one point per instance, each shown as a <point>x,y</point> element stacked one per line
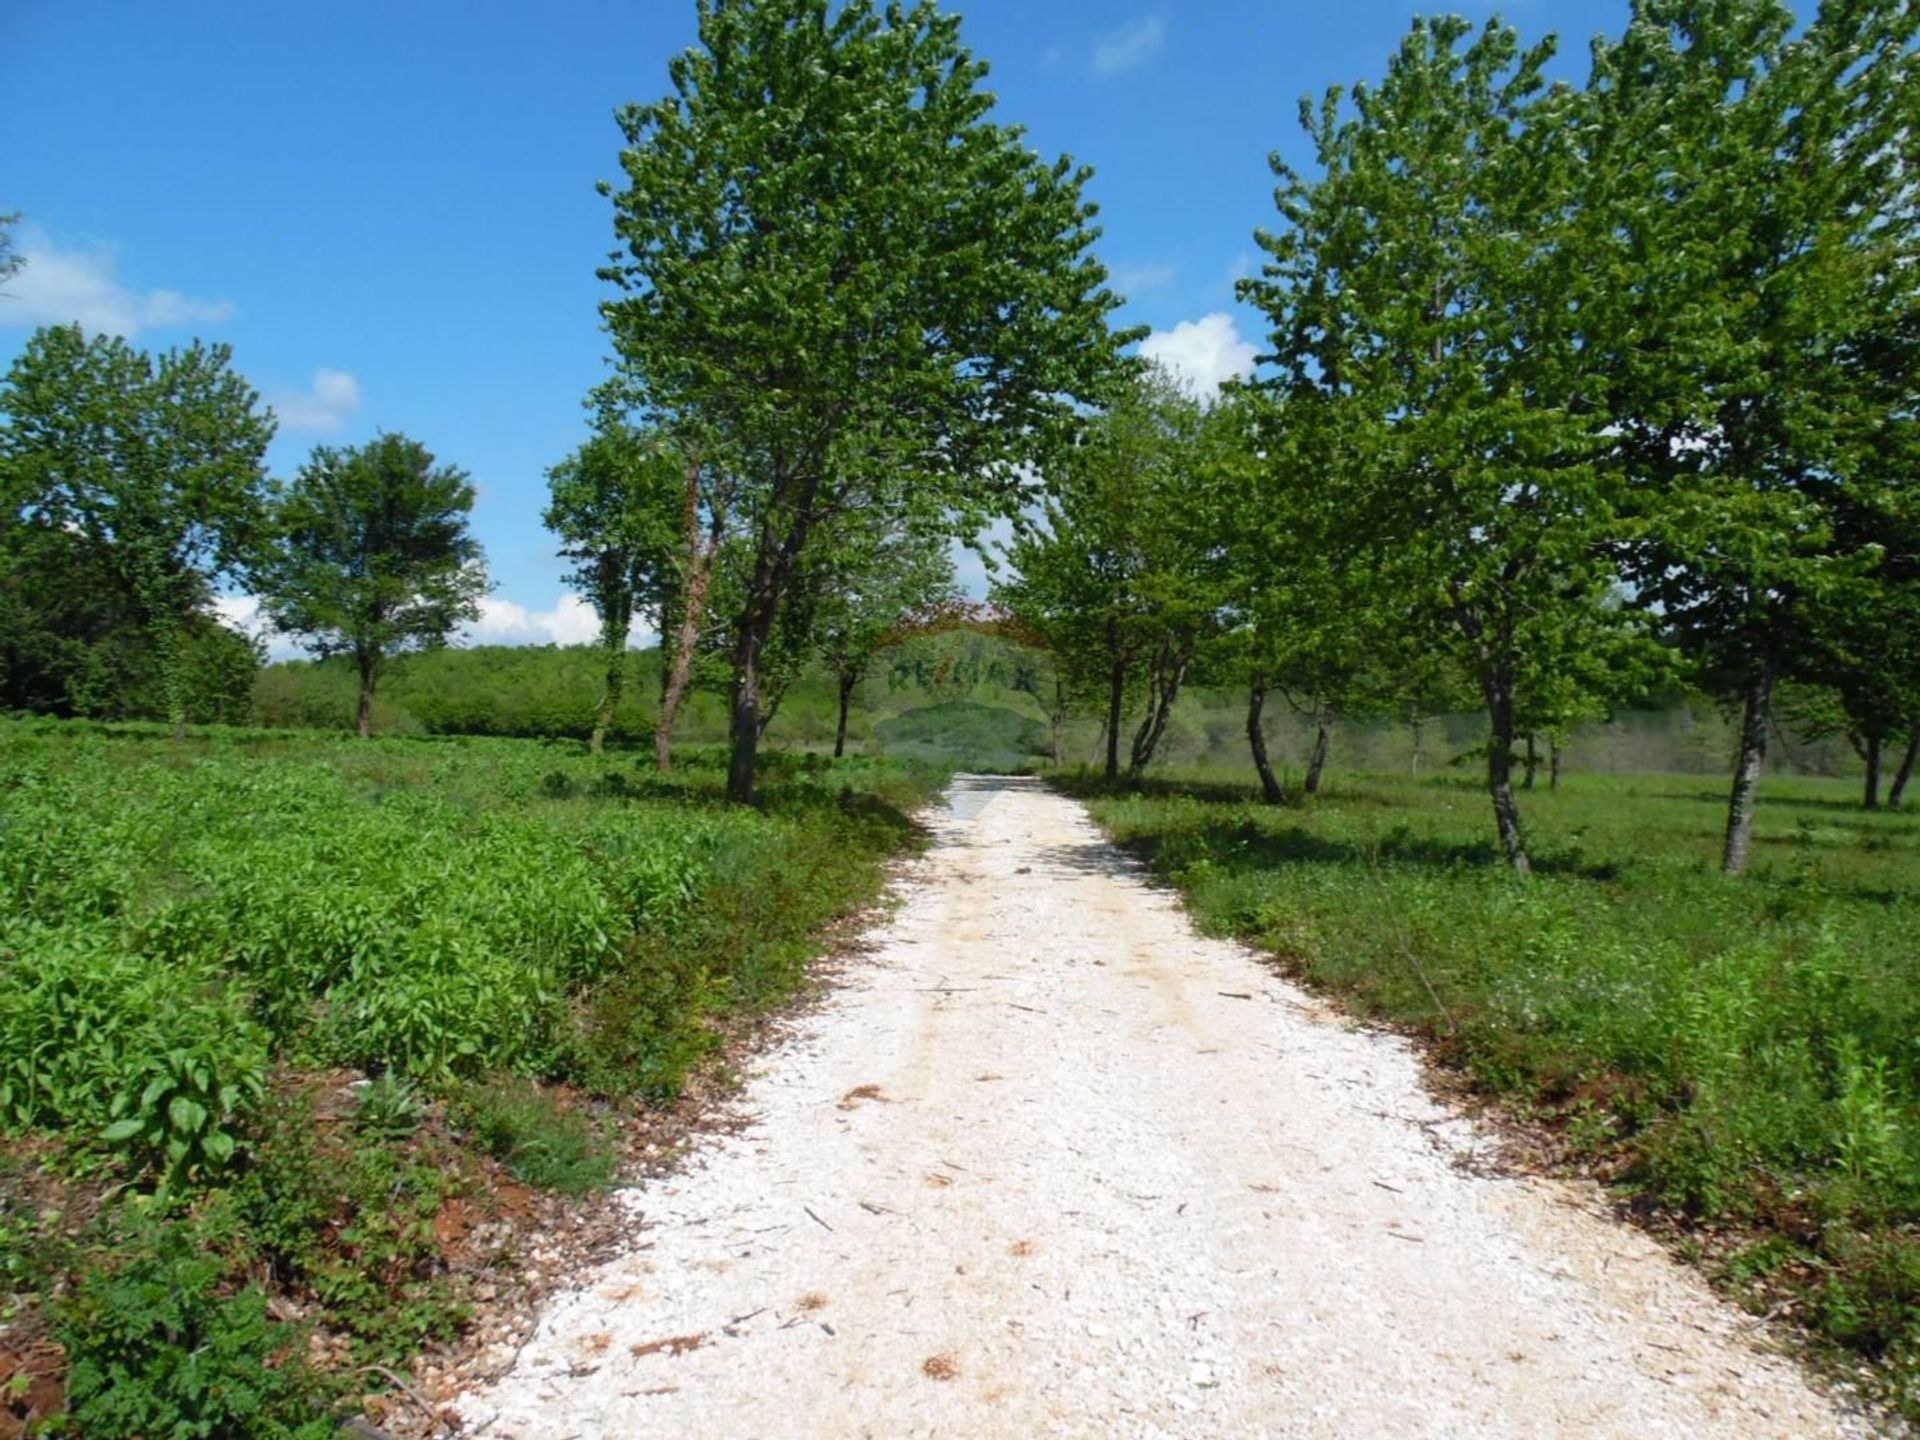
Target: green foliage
<point>429,910</point>
<point>1123,579</point>
<point>373,556</point>
<point>971,735</point>
<point>388,1108</point>
<point>1740,1053</point>
<point>616,507</point>
<point>539,1139</point>
<point>138,473</point>
<point>159,1346</point>
<point>189,931</point>
<point>845,286</point>
<point>183,1119</point>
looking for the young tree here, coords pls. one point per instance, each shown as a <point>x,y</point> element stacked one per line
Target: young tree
<point>1428,298</point>
<point>1760,236</point>
<point>156,461</point>
<point>1122,576</point>
<point>616,508</point>
<point>859,292</point>
<point>373,556</point>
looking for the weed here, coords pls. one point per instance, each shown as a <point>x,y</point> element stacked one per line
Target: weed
<point>540,1140</point>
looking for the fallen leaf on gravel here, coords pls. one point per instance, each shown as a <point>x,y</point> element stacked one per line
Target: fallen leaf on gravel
<point>672,1345</point>
<point>851,1100</point>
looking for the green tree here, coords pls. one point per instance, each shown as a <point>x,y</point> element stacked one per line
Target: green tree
<point>1759,236</point>
<point>1123,575</point>
<point>11,261</point>
<point>615,506</point>
<point>373,556</point>
<point>879,579</point>
<point>847,286</point>
<point>1310,622</point>
<point>1429,301</point>
<point>155,462</point>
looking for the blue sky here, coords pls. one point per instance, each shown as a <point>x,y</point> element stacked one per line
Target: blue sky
<point>389,210</point>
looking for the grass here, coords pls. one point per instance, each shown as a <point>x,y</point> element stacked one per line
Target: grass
<point>1737,1056</point>
<point>280,1013</point>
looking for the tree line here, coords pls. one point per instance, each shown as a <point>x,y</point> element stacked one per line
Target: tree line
<point>1572,389</point>
<point>135,487</point>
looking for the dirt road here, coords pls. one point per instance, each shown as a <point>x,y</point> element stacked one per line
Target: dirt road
<point>1051,1164</point>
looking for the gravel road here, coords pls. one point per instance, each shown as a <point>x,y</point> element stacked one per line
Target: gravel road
<point>1051,1164</point>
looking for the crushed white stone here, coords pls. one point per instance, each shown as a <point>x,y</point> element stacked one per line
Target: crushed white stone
<point>1090,1194</point>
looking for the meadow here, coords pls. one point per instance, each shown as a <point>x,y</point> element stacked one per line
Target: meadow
<point>1738,1058</point>
<point>492,945</point>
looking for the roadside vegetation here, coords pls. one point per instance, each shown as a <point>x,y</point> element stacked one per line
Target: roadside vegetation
<point>1737,1061</point>
<point>270,1003</point>
<point>1587,419</point>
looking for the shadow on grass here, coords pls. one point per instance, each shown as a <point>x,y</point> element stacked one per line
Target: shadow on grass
<point>1862,818</point>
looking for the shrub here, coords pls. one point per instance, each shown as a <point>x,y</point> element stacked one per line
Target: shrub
<point>159,1347</point>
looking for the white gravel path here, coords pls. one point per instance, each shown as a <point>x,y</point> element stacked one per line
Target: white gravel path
<point>1090,1194</point>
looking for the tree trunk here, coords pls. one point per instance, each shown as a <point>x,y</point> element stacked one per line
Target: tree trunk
<point>746,718</point>
<point>1057,719</point>
<point>1553,764</point>
<point>847,682</point>
<point>1270,790</point>
<point>1116,695</point>
<point>1323,717</point>
<point>1168,671</point>
<point>1746,771</point>
<point>1532,762</point>
<point>691,603</point>
<point>693,614</point>
<point>369,677</point>
<point>169,645</point>
<point>1419,729</point>
<point>1506,810</point>
<point>1905,772</point>
<point>1872,749</point>
<point>616,683</point>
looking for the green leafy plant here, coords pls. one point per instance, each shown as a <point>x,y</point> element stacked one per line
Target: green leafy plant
<point>388,1108</point>
<point>183,1111</point>
<point>160,1345</point>
<point>538,1139</point>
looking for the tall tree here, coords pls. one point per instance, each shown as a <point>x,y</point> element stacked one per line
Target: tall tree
<point>156,462</point>
<point>1760,234</point>
<point>373,556</point>
<point>857,289</point>
<point>615,506</point>
<point>1428,298</point>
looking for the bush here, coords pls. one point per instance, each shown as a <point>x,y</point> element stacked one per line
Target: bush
<point>159,1347</point>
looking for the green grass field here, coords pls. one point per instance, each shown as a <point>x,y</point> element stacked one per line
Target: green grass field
<point>205,946</point>
<point>1740,1055</point>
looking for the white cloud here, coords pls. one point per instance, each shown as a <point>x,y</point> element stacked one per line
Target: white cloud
<point>1130,45</point>
<point>1132,281</point>
<point>1203,354</point>
<point>242,613</point>
<point>571,621</point>
<point>322,408</point>
<point>60,286</point>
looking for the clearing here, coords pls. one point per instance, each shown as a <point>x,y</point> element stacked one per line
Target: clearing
<point>1049,1163</point>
